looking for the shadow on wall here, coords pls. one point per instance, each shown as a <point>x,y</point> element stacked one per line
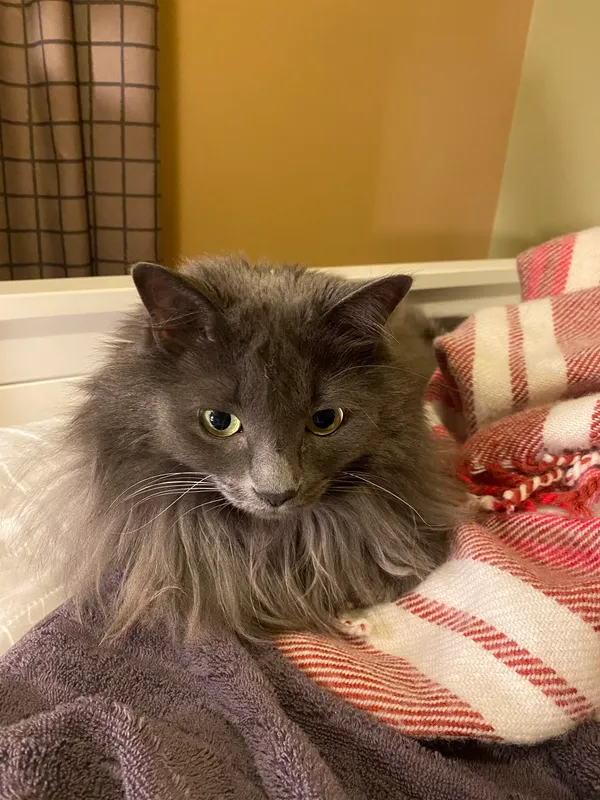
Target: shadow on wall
<point>538,155</point>
<point>551,180</point>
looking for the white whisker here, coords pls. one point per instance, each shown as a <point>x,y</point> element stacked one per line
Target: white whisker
<point>150,479</point>
<point>220,500</point>
<point>387,491</point>
<point>170,492</point>
<point>164,510</point>
<point>162,485</point>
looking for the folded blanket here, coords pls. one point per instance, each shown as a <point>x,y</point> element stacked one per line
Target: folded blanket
<point>523,383</point>
<point>149,721</point>
<point>502,642</point>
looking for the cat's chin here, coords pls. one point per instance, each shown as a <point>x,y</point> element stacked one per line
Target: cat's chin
<point>274,514</point>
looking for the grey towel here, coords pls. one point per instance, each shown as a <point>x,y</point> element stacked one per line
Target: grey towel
<point>146,719</point>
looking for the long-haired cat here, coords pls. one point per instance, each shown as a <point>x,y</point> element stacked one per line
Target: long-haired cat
<point>253,452</point>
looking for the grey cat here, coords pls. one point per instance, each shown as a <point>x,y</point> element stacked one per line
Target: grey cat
<point>253,452</point>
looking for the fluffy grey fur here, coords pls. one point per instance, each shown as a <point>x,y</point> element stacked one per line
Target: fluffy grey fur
<point>185,518</point>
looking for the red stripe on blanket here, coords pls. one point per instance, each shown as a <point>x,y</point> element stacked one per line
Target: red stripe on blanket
<point>544,270</point>
<point>455,361</point>
<point>560,269</point>
<point>578,336</point>
<point>399,673</point>
<point>567,544</point>
<point>515,444</point>
<point>390,687</point>
<point>533,264</point>
<point>504,649</point>
<point>582,598</point>
<point>352,652</point>
<point>595,426</point>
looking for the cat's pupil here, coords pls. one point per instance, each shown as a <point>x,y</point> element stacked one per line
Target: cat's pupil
<point>220,420</point>
<point>324,419</point>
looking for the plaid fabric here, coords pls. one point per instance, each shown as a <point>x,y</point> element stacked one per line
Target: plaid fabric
<point>78,137</point>
<point>501,642</point>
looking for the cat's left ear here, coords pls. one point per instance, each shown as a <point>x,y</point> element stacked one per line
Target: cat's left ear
<point>366,309</point>
<point>177,309</point>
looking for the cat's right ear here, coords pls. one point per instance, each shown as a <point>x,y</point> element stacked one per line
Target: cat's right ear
<point>177,310</point>
<point>362,313</point>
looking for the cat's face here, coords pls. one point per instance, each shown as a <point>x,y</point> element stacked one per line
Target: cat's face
<point>272,427</point>
<point>274,395</point>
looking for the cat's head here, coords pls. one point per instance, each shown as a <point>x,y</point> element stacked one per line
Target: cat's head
<point>267,380</point>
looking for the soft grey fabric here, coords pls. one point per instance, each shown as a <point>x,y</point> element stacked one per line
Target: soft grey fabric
<point>146,719</point>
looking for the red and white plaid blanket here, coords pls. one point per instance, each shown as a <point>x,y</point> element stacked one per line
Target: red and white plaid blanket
<point>501,642</point>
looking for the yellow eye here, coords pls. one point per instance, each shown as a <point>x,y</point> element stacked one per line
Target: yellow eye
<point>325,421</point>
<point>220,423</point>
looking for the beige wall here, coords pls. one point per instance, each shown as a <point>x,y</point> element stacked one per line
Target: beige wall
<point>551,181</point>
<point>336,131</point>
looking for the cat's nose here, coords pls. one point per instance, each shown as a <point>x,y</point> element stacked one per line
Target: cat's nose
<point>277,499</point>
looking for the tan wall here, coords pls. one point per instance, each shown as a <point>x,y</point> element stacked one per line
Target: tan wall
<point>551,182</point>
<point>336,131</point>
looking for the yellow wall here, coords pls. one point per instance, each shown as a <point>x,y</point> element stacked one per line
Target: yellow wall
<point>336,131</point>
<point>551,182</point>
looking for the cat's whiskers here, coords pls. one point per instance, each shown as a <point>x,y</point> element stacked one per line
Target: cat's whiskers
<point>213,503</point>
<point>164,510</point>
<point>163,485</point>
<point>392,494</point>
<point>170,492</point>
<point>151,479</point>
<point>130,514</point>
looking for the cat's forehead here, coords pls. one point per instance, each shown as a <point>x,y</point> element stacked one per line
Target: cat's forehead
<point>290,371</point>
<point>265,291</point>
<point>278,358</point>
<point>275,328</point>
<point>272,321</point>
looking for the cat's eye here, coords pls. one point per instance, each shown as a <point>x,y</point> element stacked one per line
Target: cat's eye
<point>220,423</point>
<point>325,421</point>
